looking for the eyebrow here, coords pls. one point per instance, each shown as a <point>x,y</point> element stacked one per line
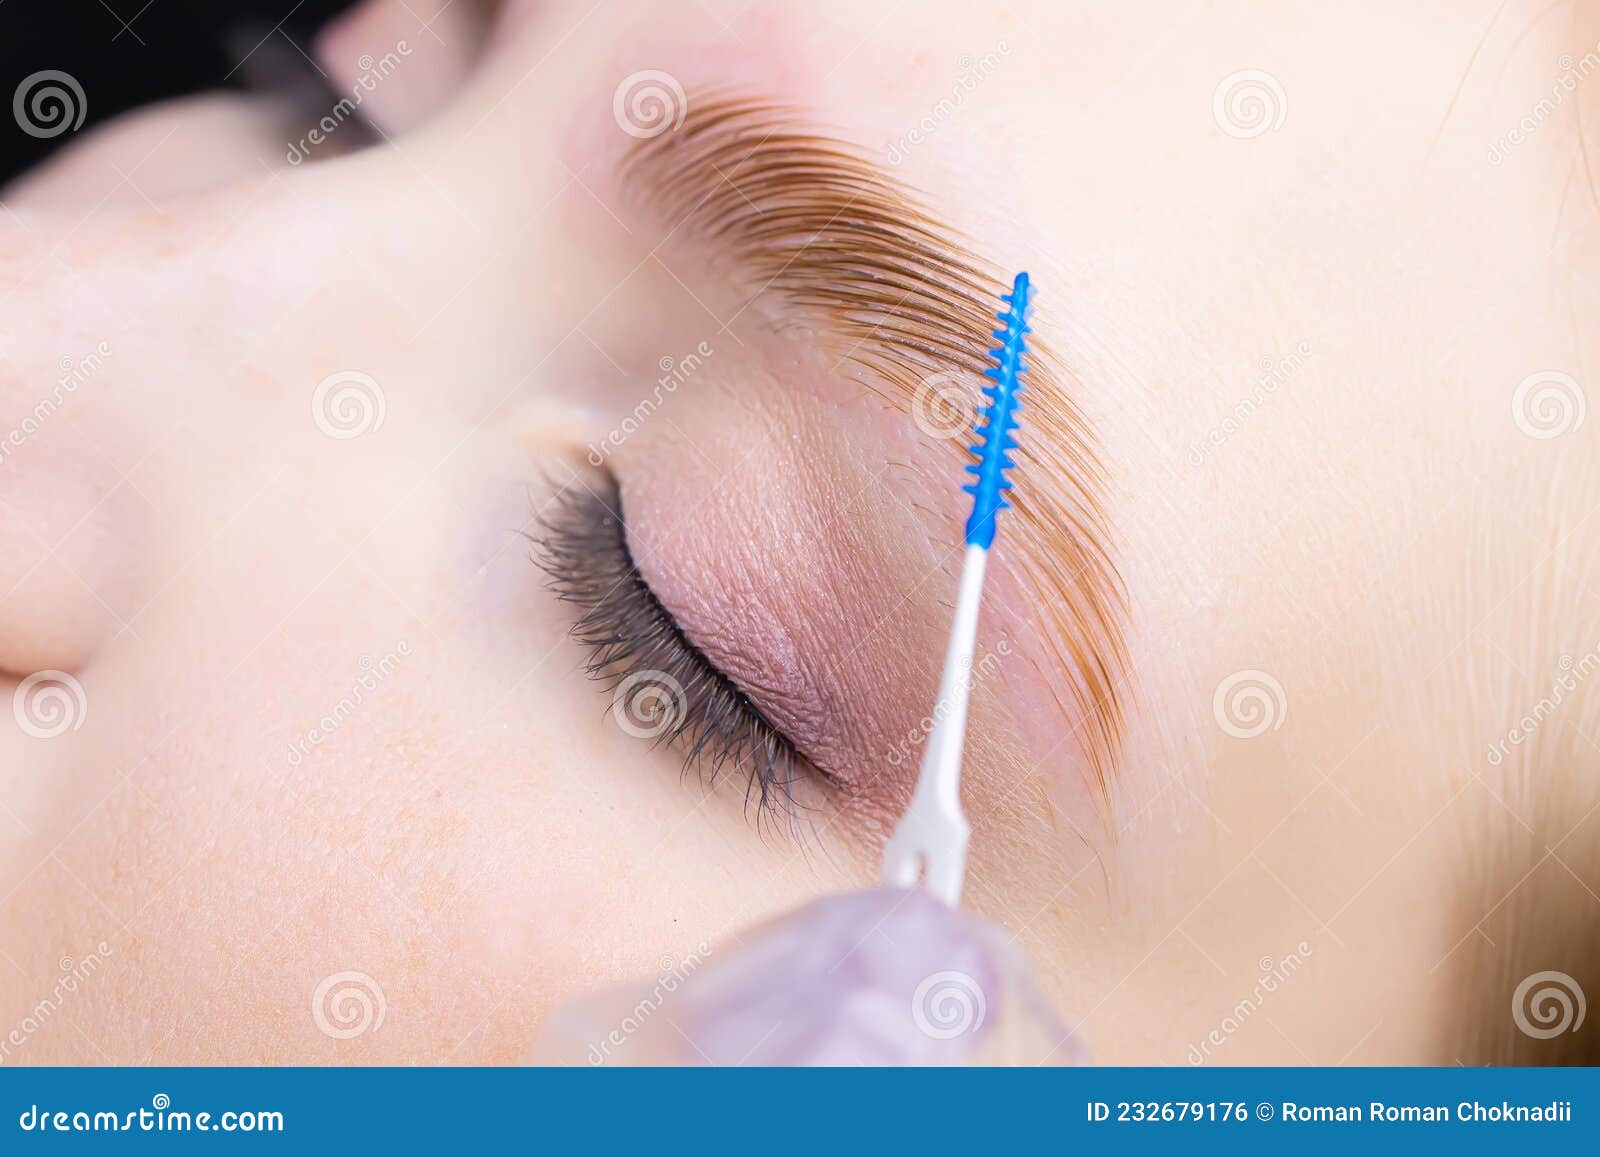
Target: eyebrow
<point>903,298</point>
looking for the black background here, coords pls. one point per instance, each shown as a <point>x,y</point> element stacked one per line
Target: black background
<point>125,53</point>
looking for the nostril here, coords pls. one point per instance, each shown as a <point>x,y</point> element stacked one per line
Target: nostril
<point>399,61</point>
<point>46,619</point>
<point>63,569</point>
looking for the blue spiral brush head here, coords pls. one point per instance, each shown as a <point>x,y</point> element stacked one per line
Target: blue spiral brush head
<point>997,422</point>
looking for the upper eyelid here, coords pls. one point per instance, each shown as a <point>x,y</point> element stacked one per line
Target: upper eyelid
<point>901,297</point>
<point>582,547</point>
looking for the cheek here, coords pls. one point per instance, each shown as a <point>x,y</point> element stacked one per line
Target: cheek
<point>410,781</point>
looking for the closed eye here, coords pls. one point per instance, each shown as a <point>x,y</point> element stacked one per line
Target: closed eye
<point>896,300</point>
<point>664,689</point>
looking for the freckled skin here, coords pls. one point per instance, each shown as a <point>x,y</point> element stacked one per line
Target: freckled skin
<point>247,809</point>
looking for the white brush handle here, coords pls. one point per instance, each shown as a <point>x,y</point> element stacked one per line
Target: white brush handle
<point>941,762</point>
<point>933,833</point>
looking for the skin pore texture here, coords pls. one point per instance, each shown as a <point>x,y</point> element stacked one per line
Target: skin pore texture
<point>335,723</point>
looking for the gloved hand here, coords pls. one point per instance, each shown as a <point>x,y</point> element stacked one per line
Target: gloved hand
<point>883,977</point>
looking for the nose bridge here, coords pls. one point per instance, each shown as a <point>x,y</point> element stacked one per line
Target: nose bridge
<point>536,259</point>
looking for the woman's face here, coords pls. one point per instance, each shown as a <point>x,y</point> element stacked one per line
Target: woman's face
<point>308,442</point>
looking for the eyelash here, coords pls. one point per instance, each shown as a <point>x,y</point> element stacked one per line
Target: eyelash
<point>629,635</point>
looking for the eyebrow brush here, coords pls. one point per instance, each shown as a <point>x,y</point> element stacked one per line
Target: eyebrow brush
<point>899,940</point>
<point>931,838</point>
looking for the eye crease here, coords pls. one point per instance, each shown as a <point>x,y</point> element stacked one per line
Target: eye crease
<point>732,665</point>
<point>897,298</point>
<point>665,687</point>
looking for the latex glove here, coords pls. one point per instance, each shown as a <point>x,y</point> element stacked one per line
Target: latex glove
<point>883,977</point>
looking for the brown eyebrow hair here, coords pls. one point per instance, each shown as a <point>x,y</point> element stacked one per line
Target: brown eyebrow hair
<point>904,299</point>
